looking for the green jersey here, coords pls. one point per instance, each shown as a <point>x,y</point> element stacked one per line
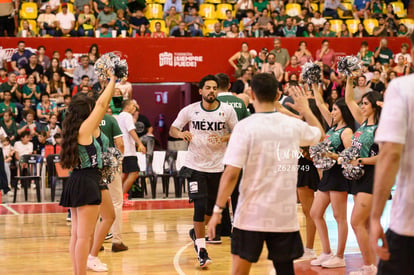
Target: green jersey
<point>11,107</point>
<point>334,136</point>
<point>214,34</point>
<point>90,155</point>
<point>366,60</point>
<point>110,128</point>
<point>236,103</point>
<point>363,140</point>
<point>385,56</point>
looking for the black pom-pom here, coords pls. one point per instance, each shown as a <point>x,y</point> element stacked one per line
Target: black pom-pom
<point>311,72</point>
<point>348,64</point>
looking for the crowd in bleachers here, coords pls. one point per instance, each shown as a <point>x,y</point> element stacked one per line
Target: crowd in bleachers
<point>214,18</point>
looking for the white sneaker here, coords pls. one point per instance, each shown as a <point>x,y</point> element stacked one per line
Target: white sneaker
<point>334,262</point>
<point>96,265</point>
<point>309,254</point>
<point>322,258</point>
<point>365,270</point>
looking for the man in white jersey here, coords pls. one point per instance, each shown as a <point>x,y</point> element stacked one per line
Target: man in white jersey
<point>396,135</point>
<point>266,145</point>
<point>210,123</point>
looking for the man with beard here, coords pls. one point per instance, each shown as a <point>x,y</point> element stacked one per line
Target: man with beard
<point>210,123</point>
<point>272,67</point>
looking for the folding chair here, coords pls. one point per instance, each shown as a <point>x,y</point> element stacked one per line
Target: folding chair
<point>30,169</point>
<point>55,173</point>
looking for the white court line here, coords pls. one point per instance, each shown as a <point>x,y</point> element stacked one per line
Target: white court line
<point>11,209</point>
<point>177,256</point>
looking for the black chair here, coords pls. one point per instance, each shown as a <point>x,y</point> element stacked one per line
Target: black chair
<point>30,169</point>
<point>55,174</point>
<point>169,170</point>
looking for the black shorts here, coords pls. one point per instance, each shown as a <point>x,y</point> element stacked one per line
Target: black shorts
<point>401,261</point>
<point>202,184</point>
<point>282,246</point>
<point>130,165</point>
<point>366,183</point>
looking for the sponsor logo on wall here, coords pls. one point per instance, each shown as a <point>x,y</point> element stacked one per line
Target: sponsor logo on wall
<point>183,60</point>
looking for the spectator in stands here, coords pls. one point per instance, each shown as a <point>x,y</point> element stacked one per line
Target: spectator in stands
<point>264,19</point>
<point>261,6</point>
<point>404,52</point>
<point>376,8</point>
<point>45,108</point>
<point>21,77</point>
<point>84,82</point>
<point>390,76</point>
<point>241,60</point>
<point>361,32</point>
<point>217,31</point>
<point>382,29</point>
<point>143,32</point>
<point>12,86</point>
<point>33,68</point>
<point>119,5</point>
<point>293,68</point>
<point>173,19</point>
<point>310,31</point>
<point>403,31</point>
<point>362,8</point>
<point>53,128</point>
<point>56,54</point>
<point>326,54</point>
<point>272,67</point>
<point>260,59</point>
<point>7,17</point>
<point>330,8</point>
<point>137,19</point>
<point>29,124</point>
<point>26,31</point>
<point>125,87</point>
<point>173,3</point>
<point>24,146</point>
<point>40,142</point>
<point>194,23</point>
<point>382,53</point>
<point>392,19</point>
<point>301,21</point>
<point>401,68</point>
<point>281,54</point>
<point>241,85</point>
<point>86,22</point>
<point>181,31</point>
<point>189,5</point>
<point>84,69</point>
<point>158,33</point>
<point>365,55</point>
<point>64,107</point>
<point>3,78</point>
<point>20,58</point>
<point>65,22</point>
<point>344,31</point>
<point>272,30</point>
<point>361,88</point>
<point>234,32</point>
<point>241,8</point>
<point>229,21</point>
<point>9,126</point>
<point>42,58</point>
<point>121,23</point>
<point>318,21</point>
<point>98,6</point>
<point>289,30</point>
<point>326,31</point>
<point>47,22</point>
<point>56,88</point>
<point>3,60</point>
<point>93,54</point>
<point>7,105</point>
<point>108,17</point>
<point>80,4</point>
<point>376,84</point>
<point>31,91</point>
<point>54,67</point>
<point>69,63</point>
<point>303,54</point>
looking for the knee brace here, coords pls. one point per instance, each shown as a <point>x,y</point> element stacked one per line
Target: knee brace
<point>210,206</point>
<point>199,209</point>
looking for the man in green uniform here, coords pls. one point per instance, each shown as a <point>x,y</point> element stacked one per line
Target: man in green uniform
<point>110,128</point>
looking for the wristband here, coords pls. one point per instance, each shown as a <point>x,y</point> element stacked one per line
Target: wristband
<point>360,161</point>
<point>217,209</point>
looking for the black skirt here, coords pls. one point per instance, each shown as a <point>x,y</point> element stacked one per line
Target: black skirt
<point>82,188</point>
<point>334,180</point>
<point>366,183</point>
<point>307,174</point>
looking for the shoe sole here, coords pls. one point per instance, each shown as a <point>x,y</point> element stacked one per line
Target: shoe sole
<point>108,237</point>
<point>207,263</point>
<point>337,266</point>
<point>213,242</point>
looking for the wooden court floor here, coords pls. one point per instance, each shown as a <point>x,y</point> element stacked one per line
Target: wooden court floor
<point>34,240</point>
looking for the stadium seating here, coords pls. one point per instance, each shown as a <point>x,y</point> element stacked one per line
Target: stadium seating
<point>399,9</point>
<point>207,11</point>
<point>370,24</point>
<point>28,10</point>
<point>336,25</point>
<point>409,22</point>
<point>292,9</point>
<point>221,10</point>
<point>154,11</point>
<point>213,1</point>
<point>352,25</point>
<point>314,6</point>
<point>348,7</point>
<point>209,26</point>
<point>32,24</point>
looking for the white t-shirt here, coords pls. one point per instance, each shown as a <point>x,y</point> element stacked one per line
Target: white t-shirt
<point>318,21</point>
<point>266,146</point>
<point>396,125</point>
<point>206,151</point>
<point>23,149</point>
<point>2,57</point>
<point>125,89</point>
<point>126,124</point>
<point>70,63</point>
<point>407,57</point>
<point>65,20</point>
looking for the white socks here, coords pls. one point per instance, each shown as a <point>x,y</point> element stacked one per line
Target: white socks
<point>200,243</point>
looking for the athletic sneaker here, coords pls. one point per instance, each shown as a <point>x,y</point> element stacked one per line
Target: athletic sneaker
<point>216,240</point>
<point>203,258</point>
<point>309,254</point>
<point>69,216</point>
<point>334,262</point>
<point>108,236</point>
<point>193,238</point>
<point>322,258</point>
<point>365,270</point>
<point>96,265</point>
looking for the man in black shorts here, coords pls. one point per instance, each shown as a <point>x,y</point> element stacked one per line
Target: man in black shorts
<point>210,123</point>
